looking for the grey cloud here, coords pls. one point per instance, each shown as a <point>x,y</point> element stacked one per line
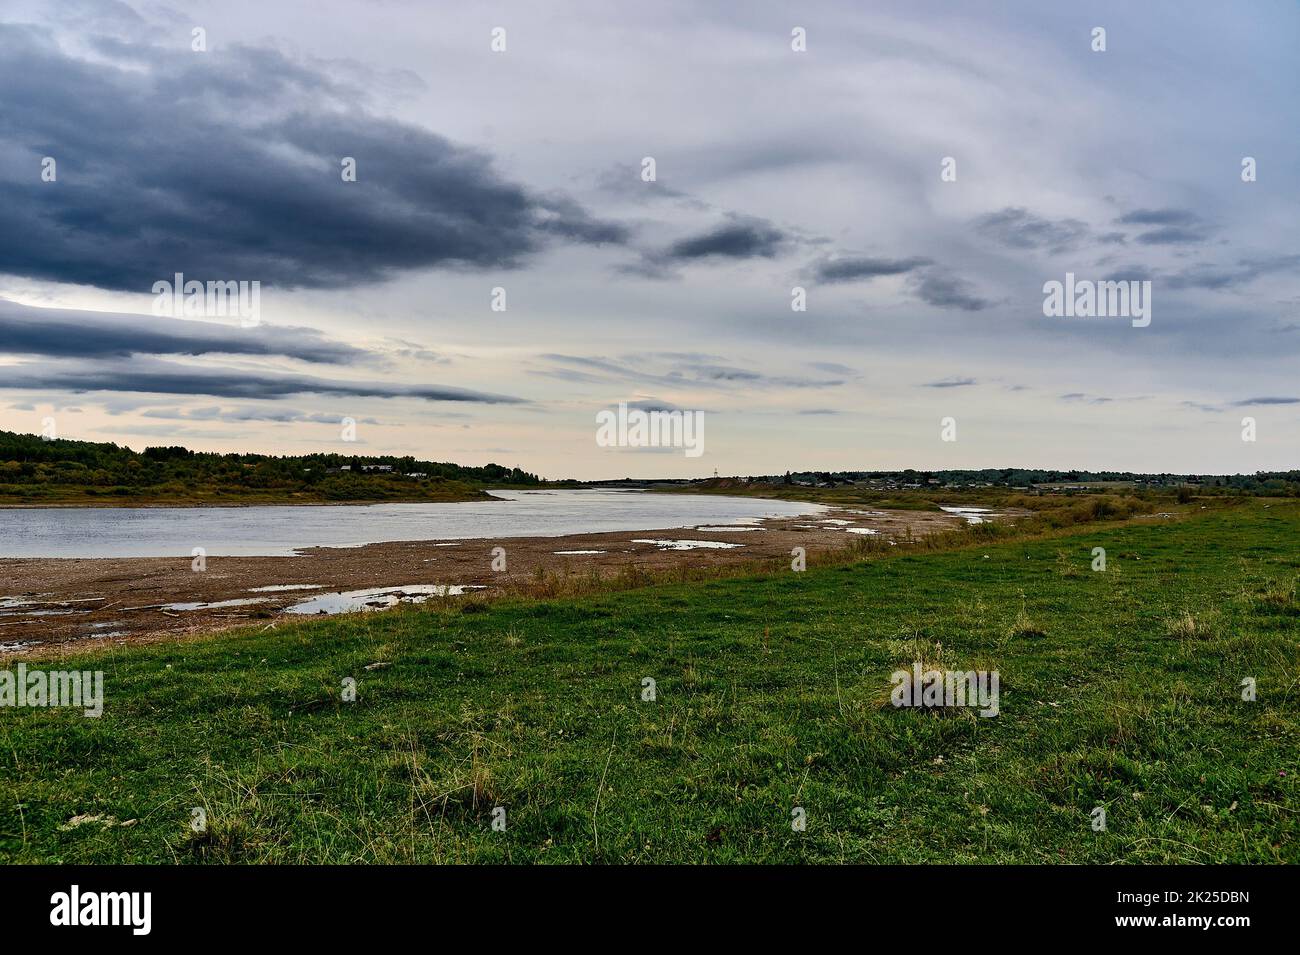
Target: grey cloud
<point>1080,396</point>
<point>1271,400</point>
<point>854,268</point>
<point>835,368</point>
<point>272,414</point>
<point>1218,277</point>
<point>408,349</point>
<point>929,282</point>
<point>168,378</point>
<point>948,291</point>
<point>227,166</point>
<point>950,383</point>
<point>68,333</point>
<point>688,373</point>
<point>743,237</point>
<point>623,180</point>
<point>1160,217</point>
<point>1173,235</point>
<point>738,239</point>
<point>1134,273</point>
<point>1170,226</point>
<point>653,404</point>
<point>1019,228</point>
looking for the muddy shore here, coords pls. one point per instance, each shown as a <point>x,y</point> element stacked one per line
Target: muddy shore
<point>63,605</point>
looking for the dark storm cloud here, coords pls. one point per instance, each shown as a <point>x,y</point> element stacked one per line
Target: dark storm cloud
<point>856,268</point>
<point>226,165</point>
<point>1167,226</point>
<point>68,333</point>
<point>1019,228</point>
<point>167,378</point>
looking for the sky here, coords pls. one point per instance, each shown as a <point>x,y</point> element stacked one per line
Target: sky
<point>919,170</point>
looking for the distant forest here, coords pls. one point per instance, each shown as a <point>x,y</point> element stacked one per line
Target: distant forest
<point>33,469</point>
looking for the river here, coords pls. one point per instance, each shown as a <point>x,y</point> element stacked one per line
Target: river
<point>275,531</point>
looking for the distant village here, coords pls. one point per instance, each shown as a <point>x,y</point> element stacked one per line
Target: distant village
<point>1029,481</point>
<point>1025,480</point>
<point>372,469</point>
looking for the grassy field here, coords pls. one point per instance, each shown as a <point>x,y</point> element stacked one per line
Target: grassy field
<point>1119,689</point>
<point>931,498</point>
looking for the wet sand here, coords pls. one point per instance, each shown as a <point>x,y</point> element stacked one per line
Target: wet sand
<point>64,605</point>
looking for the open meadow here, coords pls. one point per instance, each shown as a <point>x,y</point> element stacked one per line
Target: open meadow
<point>1120,689</point>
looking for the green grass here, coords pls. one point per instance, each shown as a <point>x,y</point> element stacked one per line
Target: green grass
<point>770,692</point>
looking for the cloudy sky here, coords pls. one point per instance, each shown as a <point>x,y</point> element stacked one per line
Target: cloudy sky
<point>774,169</point>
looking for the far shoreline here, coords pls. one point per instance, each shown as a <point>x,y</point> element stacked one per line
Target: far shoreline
<point>124,505</point>
<point>486,495</point>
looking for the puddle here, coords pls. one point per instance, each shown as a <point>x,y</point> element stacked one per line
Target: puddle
<point>18,606</point>
<point>100,629</point>
<point>861,530</point>
<point>567,552</point>
<point>729,529</point>
<point>279,588</point>
<point>972,515</point>
<point>17,645</point>
<point>686,544</point>
<point>836,521</point>
<point>379,598</point>
<point>453,544</point>
<point>216,604</point>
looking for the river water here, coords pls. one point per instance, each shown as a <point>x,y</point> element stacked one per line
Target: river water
<point>282,530</point>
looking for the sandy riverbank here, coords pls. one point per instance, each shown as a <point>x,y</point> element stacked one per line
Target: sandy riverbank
<point>73,604</point>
